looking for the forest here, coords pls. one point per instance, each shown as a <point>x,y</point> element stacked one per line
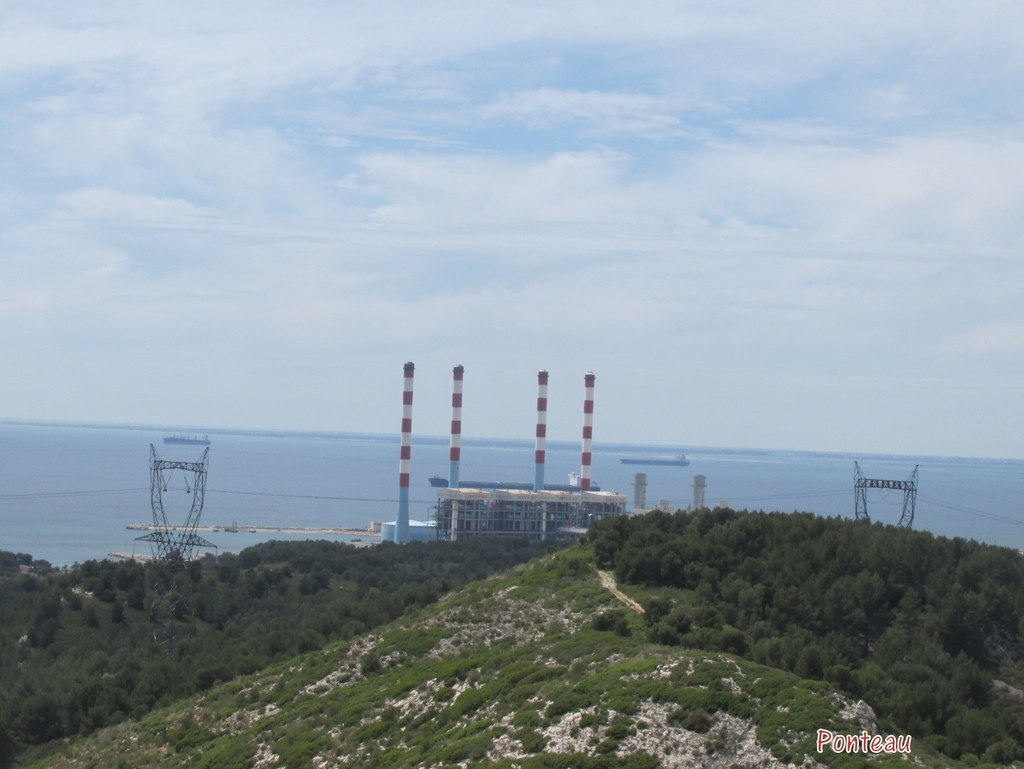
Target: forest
<point>926,629</point>
<point>103,641</point>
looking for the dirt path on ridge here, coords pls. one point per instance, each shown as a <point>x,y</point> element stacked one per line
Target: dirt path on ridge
<point>608,582</point>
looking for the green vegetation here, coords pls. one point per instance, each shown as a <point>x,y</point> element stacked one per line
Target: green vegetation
<point>514,672</point>
<point>743,652</point>
<point>917,625</point>
<point>90,646</point>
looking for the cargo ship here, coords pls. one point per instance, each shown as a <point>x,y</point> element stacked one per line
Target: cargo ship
<point>676,460</point>
<point>179,439</point>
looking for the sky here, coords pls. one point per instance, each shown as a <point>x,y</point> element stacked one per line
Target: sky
<point>791,225</point>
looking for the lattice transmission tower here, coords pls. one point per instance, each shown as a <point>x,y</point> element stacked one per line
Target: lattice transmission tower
<point>169,542</point>
<point>860,494</point>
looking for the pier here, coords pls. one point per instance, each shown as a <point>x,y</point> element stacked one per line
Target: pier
<point>361,537</point>
<point>236,528</point>
<point>133,556</point>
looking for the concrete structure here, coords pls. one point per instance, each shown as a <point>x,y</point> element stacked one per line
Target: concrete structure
<point>640,491</point>
<point>402,523</point>
<point>542,430</point>
<point>588,430</point>
<point>463,513</point>
<point>454,453</point>
<point>483,509</point>
<point>416,531</point>
<point>699,484</point>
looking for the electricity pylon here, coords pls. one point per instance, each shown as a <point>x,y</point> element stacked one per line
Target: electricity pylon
<point>176,543</point>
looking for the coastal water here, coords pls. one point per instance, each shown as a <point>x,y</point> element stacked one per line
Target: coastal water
<point>67,493</point>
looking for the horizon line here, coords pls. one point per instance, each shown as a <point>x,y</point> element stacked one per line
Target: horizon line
<point>422,437</point>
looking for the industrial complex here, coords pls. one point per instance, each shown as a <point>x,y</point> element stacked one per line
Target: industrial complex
<point>463,513</point>
<point>537,513</point>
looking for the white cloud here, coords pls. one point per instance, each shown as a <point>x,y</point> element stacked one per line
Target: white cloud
<point>746,189</point>
<point>599,112</point>
<point>999,339</point>
<point>808,132</point>
<point>477,191</point>
<point>131,209</point>
<point>943,194</point>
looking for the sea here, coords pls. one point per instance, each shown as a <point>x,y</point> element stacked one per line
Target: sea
<point>70,492</point>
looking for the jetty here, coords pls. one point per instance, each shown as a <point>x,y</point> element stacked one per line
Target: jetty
<point>236,528</point>
<point>133,556</point>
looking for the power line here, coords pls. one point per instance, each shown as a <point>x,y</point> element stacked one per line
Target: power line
<point>313,496</point>
<point>102,492</point>
<point>329,498</point>
<point>92,493</point>
<point>972,511</point>
<point>797,495</point>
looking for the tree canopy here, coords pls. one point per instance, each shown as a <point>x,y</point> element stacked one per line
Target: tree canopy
<point>919,626</point>
<point>92,645</point>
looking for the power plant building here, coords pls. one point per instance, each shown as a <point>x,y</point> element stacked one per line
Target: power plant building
<point>484,509</point>
<point>464,513</point>
<point>541,513</point>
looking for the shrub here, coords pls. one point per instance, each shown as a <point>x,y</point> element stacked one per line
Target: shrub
<point>698,720</point>
<point>370,663</point>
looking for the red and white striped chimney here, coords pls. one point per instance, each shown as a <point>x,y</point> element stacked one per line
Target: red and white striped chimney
<point>588,430</point>
<point>402,522</point>
<point>454,453</point>
<point>542,429</point>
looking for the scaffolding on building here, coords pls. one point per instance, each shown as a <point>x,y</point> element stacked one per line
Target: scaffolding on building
<point>543,515</point>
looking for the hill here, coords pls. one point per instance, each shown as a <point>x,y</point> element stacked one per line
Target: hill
<point>93,645</point>
<point>543,666</point>
<point>929,629</point>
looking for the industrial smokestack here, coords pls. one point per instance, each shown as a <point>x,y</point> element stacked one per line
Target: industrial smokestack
<point>402,523</point>
<point>698,492</point>
<point>588,430</point>
<point>640,491</point>
<point>542,429</point>
<point>455,451</point>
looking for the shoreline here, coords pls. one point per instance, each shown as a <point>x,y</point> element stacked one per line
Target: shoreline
<point>236,528</point>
